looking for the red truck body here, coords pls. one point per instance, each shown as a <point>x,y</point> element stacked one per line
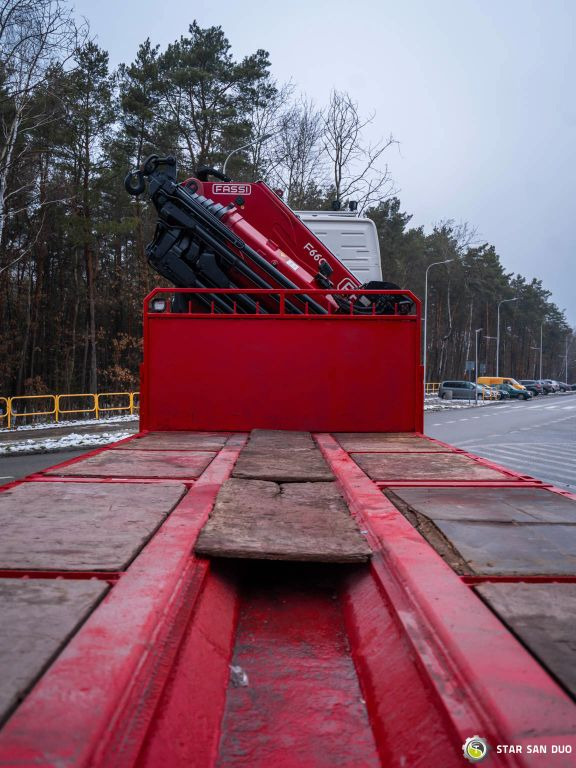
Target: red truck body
<point>396,662</point>
<point>123,647</point>
<point>331,373</point>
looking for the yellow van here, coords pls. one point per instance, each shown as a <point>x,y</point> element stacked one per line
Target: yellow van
<point>492,381</point>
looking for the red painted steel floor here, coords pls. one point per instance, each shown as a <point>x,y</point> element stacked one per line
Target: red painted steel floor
<point>302,704</point>
<point>146,680</point>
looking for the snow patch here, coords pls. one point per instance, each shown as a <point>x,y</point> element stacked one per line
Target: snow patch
<point>434,403</point>
<point>66,442</point>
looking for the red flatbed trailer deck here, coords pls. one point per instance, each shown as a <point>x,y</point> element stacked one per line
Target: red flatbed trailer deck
<point>123,647</point>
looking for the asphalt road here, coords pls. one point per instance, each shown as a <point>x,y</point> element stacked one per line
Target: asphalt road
<point>536,437</point>
<point>15,467</point>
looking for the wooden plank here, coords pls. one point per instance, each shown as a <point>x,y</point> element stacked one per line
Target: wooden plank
<point>414,445</point>
<point>377,436</point>
<point>271,521</point>
<point>435,466</point>
<point>81,526</point>
<point>543,616</point>
<point>511,549</point>
<point>269,439</point>
<point>119,463</point>
<point>177,441</point>
<point>38,617</point>
<point>390,442</point>
<point>282,457</point>
<point>494,531</point>
<point>504,505</point>
<point>283,466</point>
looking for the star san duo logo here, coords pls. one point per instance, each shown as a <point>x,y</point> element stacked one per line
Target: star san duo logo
<point>475,749</point>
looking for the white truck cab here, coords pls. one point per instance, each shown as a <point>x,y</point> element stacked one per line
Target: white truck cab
<point>352,239</point>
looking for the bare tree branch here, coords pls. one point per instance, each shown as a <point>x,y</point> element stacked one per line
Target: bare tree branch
<point>355,167</point>
<point>34,36</point>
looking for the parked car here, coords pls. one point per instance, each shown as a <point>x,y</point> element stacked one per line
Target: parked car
<point>493,381</point>
<point>533,386</point>
<point>563,386</point>
<point>523,394</point>
<point>545,388</point>
<point>494,393</point>
<point>549,385</point>
<point>463,390</point>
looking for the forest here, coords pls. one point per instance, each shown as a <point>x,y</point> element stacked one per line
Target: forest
<point>73,268</point>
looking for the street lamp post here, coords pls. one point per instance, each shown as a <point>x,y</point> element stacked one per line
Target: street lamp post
<point>492,338</point>
<point>434,264</point>
<point>537,350</point>
<point>541,327</point>
<point>478,330</point>
<point>565,356</point>
<point>259,140</point>
<point>498,334</point>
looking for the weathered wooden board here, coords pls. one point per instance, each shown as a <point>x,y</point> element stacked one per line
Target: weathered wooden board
<point>80,526</point>
<point>415,445</point>
<point>38,617</point>
<point>387,443</point>
<point>513,549</point>
<point>425,466</point>
<point>543,616</point>
<point>283,466</point>
<point>269,439</point>
<point>377,437</point>
<point>271,521</point>
<point>177,441</point>
<point>117,463</point>
<point>282,457</point>
<point>504,505</point>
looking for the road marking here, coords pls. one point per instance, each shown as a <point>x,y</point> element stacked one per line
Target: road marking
<point>552,462</point>
<point>6,477</point>
<point>530,455</point>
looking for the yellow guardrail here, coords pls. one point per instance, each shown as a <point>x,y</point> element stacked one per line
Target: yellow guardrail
<point>5,410</point>
<point>14,413</point>
<point>101,407</point>
<point>93,409</point>
<point>12,408</point>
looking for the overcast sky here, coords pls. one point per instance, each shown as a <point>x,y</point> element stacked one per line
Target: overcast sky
<point>479,93</point>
